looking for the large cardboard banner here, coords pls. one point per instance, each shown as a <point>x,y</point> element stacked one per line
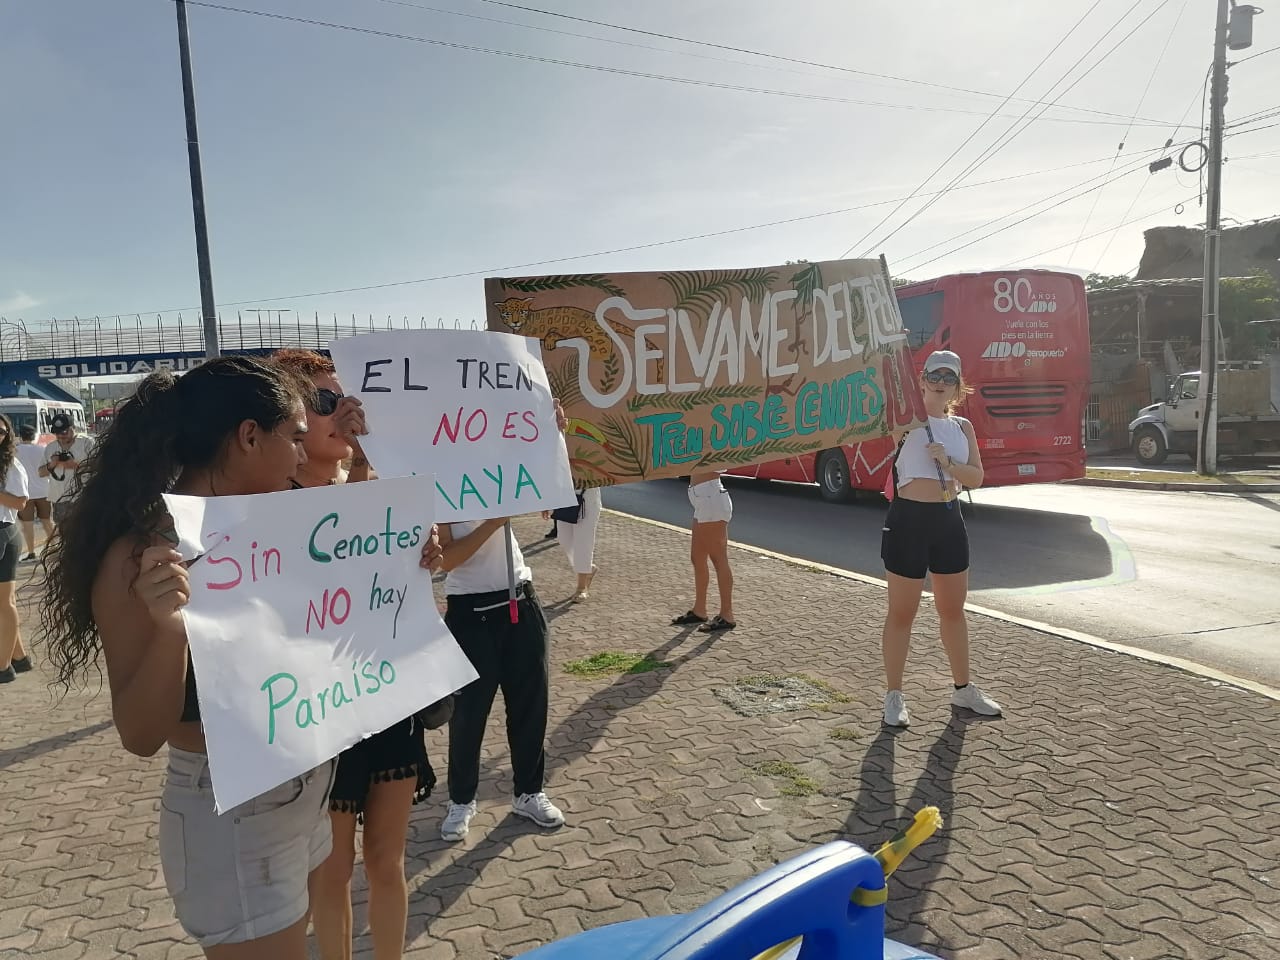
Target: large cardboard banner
<point>311,625</point>
<point>663,374</point>
<point>471,408</point>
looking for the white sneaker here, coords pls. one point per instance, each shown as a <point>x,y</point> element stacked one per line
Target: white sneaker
<point>536,807</point>
<point>895,710</point>
<point>971,697</point>
<point>457,821</point>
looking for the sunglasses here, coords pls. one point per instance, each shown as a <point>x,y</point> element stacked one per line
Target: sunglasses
<point>325,401</point>
<point>942,376</point>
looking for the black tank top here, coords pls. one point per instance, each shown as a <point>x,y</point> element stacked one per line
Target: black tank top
<point>190,702</point>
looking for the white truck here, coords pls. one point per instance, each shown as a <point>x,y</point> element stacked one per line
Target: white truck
<point>1248,422</point>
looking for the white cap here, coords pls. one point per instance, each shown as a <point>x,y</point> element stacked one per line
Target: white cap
<point>942,360</point>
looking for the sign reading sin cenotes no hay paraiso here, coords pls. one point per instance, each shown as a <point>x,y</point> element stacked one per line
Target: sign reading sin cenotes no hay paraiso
<point>310,625</point>
<point>665,373</point>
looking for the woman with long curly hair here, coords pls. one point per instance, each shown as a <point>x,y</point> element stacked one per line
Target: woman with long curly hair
<point>924,533</point>
<point>13,497</point>
<point>381,777</point>
<point>116,588</point>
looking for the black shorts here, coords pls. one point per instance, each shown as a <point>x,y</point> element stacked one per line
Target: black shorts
<point>920,537</point>
<point>397,753</point>
<point>10,552</point>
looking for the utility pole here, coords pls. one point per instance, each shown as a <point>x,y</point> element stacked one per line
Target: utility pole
<point>207,309</point>
<point>1207,447</point>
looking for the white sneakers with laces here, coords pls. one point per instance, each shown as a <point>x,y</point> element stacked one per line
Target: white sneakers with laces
<point>895,710</point>
<point>971,697</point>
<point>532,806</point>
<point>457,821</point>
<point>539,809</point>
<point>968,697</point>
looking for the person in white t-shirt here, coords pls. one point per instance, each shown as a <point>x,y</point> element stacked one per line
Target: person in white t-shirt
<point>31,454</point>
<point>13,497</point>
<point>63,457</point>
<point>511,656</point>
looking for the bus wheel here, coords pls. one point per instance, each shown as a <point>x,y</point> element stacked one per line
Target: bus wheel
<point>833,477</point>
<point>1149,447</point>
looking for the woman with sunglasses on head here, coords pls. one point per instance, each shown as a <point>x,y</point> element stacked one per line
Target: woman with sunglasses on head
<point>13,497</point>
<point>924,533</point>
<point>379,779</point>
<point>115,591</point>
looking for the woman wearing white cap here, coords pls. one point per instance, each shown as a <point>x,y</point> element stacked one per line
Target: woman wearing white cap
<point>925,533</point>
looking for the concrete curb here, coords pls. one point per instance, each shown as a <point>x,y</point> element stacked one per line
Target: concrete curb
<point>1062,633</point>
<point>1176,485</point>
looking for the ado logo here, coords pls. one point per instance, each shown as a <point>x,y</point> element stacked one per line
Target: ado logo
<point>1000,349</point>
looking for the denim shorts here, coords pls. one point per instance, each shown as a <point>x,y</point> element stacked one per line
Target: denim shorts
<point>710,502</point>
<point>242,875</point>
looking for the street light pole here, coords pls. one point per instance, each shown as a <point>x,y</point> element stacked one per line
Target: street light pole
<point>1207,447</point>
<point>207,309</point>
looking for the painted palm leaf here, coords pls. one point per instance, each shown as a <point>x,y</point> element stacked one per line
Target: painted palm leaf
<point>687,402</point>
<point>538,284</point>
<point>699,291</point>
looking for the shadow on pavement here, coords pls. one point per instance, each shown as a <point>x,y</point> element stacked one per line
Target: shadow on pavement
<point>1260,501</point>
<point>13,755</point>
<point>874,817</point>
<point>573,737</point>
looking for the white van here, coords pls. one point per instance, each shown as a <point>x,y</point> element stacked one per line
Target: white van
<point>34,412</point>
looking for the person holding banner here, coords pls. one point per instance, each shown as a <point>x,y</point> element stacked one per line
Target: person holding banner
<point>378,779</point>
<point>116,588</point>
<point>712,511</point>
<point>507,644</point>
<point>924,533</point>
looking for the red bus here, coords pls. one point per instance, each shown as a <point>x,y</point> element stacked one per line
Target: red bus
<point>1023,337</point>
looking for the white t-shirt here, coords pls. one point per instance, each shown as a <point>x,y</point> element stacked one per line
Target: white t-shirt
<point>914,461</point>
<point>80,448</point>
<point>486,571</point>
<point>15,482</point>
<point>31,456</point>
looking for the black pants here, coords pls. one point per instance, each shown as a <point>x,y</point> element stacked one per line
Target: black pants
<point>510,656</point>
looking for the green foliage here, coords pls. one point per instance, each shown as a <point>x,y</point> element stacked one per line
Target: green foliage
<point>611,662</point>
<point>1103,281</point>
<point>539,284</point>
<point>796,784</point>
<point>1242,300</point>
<point>691,401</point>
<point>699,291</point>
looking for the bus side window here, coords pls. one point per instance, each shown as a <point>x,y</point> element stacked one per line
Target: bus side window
<point>921,317</point>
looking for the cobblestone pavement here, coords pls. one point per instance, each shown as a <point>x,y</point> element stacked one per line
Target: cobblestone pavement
<point>1121,810</point>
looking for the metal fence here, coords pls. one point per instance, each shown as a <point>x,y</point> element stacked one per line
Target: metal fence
<point>118,336</point>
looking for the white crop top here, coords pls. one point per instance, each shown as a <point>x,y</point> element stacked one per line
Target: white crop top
<point>486,571</point>
<point>914,461</point>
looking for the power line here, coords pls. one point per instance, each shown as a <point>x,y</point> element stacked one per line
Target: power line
<point>967,140</point>
<point>1014,130</point>
<point>1125,136</point>
<point>1140,217</point>
<point>599,68</point>
<point>774,56</point>
<point>1105,179</point>
<point>1253,56</point>
<point>491,271</point>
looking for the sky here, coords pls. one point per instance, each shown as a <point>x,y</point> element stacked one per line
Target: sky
<point>336,159</point>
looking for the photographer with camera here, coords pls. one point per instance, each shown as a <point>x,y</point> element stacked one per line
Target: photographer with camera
<point>63,457</point>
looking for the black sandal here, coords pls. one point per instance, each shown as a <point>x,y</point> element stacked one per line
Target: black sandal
<point>687,619</point>
<point>717,624</point>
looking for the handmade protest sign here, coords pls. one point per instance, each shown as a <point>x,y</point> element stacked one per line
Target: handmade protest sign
<point>310,625</point>
<point>472,408</point>
<point>662,374</point>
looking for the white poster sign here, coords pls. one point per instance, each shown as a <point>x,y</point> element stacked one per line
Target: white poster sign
<point>472,408</point>
<point>311,625</point>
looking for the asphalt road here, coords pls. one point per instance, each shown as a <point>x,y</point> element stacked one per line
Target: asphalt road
<point>1185,574</point>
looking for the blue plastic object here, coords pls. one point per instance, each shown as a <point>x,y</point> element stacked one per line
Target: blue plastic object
<point>806,896</point>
